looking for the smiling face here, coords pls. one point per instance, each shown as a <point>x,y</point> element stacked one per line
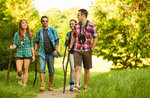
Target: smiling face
<point>24,24</point>
<point>44,22</point>
<point>72,24</point>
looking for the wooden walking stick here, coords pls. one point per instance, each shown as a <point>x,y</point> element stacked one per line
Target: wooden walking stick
<point>35,71</point>
<point>65,68</point>
<point>65,74</point>
<point>9,66</point>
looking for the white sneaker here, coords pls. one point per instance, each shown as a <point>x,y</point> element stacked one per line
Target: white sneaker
<point>20,80</point>
<point>77,89</point>
<point>24,85</point>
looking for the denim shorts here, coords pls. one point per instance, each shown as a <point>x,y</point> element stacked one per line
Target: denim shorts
<point>49,58</point>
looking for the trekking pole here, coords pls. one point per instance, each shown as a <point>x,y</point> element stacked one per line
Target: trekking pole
<point>65,73</point>
<point>65,69</point>
<point>9,65</point>
<point>35,71</point>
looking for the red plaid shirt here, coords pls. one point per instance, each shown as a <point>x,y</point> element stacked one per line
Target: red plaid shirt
<point>90,31</point>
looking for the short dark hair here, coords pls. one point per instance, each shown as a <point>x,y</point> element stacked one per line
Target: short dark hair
<point>73,20</point>
<point>44,17</point>
<point>84,12</point>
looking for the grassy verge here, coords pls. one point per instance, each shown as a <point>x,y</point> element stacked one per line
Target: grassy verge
<point>13,90</point>
<point>133,83</point>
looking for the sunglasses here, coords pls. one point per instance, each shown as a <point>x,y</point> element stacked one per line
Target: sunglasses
<point>44,20</point>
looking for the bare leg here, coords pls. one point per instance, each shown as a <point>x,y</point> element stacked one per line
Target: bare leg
<point>19,64</point>
<point>42,77</point>
<point>51,77</point>
<point>86,77</point>
<point>77,74</point>
<point>26,67</point>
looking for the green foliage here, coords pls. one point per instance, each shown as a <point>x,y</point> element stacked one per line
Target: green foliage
<point>60,21</point>
<point>123,28</point>
<point>119,84</point>
<point>11,12</point>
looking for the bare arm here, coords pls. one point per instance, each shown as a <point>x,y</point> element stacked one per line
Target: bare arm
<point>56,47</point>
<point>94,43</point>
<point>36,46</point>
<point>72,42</point>
<point>33,54</point>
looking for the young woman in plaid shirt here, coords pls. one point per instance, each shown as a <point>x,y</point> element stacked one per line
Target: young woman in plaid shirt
<point>23,42</point>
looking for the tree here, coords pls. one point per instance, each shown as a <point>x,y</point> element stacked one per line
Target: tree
<point>123,28</point>
<point>11,12</point>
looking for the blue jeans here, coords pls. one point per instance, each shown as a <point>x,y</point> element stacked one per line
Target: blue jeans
<point>49,58</point>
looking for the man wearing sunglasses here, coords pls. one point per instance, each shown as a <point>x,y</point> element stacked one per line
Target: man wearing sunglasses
<point>48,40</point>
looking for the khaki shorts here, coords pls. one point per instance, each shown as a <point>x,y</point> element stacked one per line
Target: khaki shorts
<point>85,56</point>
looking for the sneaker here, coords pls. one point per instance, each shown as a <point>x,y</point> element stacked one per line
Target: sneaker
<point>77,89</point>
<point>20,80</point>
<point>42,87</point>
<point>50,88</point>
<point>71,87</point>
<point>24,85</point>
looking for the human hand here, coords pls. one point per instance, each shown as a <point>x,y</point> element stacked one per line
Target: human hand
<point>12,47</point>
<point>69,48</point>
<point>54,53</point>
<point>92,48</point>
<point>36,53</point>
<point>33,58</point>
<point>67,38</point>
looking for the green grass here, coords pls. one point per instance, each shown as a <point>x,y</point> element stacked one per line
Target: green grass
<point>13,90</point>
<point>134,83</point>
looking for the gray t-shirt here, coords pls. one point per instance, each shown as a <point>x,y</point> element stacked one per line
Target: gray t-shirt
<point>48,46</point>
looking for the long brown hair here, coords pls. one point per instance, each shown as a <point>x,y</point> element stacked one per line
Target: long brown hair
<point>21,30</point>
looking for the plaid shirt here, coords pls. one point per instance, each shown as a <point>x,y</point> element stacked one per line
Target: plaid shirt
<point>23,47</point>
<point>90,31</point>
<point>39,40</point>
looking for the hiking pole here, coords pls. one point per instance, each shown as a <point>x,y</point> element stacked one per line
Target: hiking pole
<point>9,65</point>
<point>65,69</point>
<point>35,71</point>
<point>65,73</point>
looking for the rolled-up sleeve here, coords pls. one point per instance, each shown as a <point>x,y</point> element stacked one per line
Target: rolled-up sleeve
<point>94,32</point>
<point>15,39</point>
<point>37,38</point>
<point>56,37</point>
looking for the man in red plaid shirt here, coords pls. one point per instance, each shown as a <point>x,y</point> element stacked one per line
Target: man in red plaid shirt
<point>81,36</point>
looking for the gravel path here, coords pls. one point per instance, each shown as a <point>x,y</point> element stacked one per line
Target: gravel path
<point>57,94</point>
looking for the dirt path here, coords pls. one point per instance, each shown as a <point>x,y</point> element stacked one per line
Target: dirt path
<point>99,65</point>
<point>57,94</point>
